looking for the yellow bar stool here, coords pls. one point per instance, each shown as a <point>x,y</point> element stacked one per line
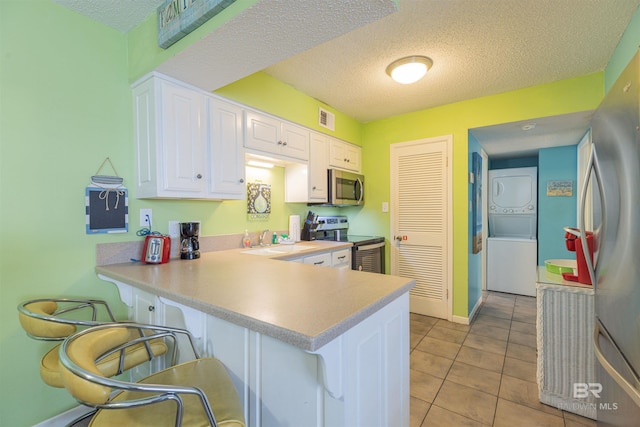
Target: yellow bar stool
<point>198,392</point>
<point>54,319</point>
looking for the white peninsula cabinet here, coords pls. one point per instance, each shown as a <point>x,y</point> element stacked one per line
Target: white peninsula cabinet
<point>188,142</point>
<point>272,136</point>
<point>305,346</point>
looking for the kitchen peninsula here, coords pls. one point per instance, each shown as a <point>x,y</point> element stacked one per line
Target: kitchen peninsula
<point>305,345</point>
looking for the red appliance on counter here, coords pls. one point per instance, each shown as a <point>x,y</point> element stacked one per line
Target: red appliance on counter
<point>574,244</point>
<point>156,249</point>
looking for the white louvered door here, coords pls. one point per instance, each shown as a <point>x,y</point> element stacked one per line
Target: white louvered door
<point>420,222</point>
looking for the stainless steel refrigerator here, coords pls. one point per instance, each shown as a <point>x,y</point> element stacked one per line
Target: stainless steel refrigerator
<point>615,177</point>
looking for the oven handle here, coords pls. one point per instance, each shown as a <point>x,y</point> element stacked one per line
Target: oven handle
<point>369,247</point>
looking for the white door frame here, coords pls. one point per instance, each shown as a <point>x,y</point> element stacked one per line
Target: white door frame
<point>485,220</point>
<point>448,140</point>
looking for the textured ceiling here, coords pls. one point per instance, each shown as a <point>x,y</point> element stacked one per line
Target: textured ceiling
<point>326,50</point>
<point>268,32</point>
<point>478,48</point>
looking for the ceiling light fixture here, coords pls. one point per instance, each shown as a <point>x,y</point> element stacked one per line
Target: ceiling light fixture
<point>409,69</point>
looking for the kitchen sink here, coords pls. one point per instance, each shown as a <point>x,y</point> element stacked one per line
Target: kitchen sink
<point>279,249</point>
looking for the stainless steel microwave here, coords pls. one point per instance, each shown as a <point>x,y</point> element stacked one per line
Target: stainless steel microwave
<point>345,188</point>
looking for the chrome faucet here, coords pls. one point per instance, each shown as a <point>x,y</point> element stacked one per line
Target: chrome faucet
<point>261,241</point>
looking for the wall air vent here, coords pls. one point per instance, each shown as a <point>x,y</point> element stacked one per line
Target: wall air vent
<point>326,119</point>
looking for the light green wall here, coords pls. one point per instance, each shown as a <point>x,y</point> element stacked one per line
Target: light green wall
<point>64,107</point>
<point>578,94</point>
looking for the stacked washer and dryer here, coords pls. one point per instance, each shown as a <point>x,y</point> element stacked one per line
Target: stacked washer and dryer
<point>512,246</point>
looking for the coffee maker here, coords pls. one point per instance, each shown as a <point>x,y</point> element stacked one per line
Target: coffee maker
<point>189,240</point>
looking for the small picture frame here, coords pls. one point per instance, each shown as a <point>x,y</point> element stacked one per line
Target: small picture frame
<point>106,209</point>
<point>560,188</point>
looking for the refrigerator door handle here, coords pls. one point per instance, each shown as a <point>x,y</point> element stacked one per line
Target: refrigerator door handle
<point>592,165</point>
<point>628,388</point>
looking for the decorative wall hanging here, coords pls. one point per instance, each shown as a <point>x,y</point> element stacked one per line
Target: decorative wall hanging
<point>177,18</point>
<point>476,202</point>
<point>258,200</point>
<point>106,203</point>
<point>560,188</point>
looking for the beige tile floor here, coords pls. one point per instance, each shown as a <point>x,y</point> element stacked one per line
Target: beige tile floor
<point>483,374</point>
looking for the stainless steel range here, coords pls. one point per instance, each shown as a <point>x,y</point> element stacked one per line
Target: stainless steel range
<point>367,253</point>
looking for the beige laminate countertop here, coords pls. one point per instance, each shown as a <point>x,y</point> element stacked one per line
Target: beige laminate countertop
<point>303,305</point>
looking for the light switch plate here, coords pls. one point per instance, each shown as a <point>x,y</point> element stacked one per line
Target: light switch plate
<point>385,206</point>
<point>174,229</point>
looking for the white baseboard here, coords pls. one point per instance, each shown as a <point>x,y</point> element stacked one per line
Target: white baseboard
<point>66,417</point>
<point>467,320</point>
<point>460,319</point>
<point>475,309</point>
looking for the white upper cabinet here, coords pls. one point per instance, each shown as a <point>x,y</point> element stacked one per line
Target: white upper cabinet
<point>344,155</point>
<point>170,140</point>
<point>188,143</point>
<point>275,137</point>
<point>226,156</point>
<point>308,182</point>
<point>318,165</point>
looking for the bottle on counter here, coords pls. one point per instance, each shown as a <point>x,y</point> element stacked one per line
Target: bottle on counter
<point>246,240</point>
<point>274,239</point>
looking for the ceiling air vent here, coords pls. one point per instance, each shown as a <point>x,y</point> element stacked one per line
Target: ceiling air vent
<point>326,119</point>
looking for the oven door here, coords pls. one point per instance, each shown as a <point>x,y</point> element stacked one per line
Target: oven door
<point>368,257</point>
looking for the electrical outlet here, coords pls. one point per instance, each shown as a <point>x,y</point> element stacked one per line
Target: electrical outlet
<point>146,218</point>
<point>174,229</point>
<point>385,206</point>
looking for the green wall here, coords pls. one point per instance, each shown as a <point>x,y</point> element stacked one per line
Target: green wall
<point>65,106</point>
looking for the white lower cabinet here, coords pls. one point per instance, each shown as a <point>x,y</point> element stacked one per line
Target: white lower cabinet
<point>320,260</point>
<point>361,378</point>
<point>341,259</point>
